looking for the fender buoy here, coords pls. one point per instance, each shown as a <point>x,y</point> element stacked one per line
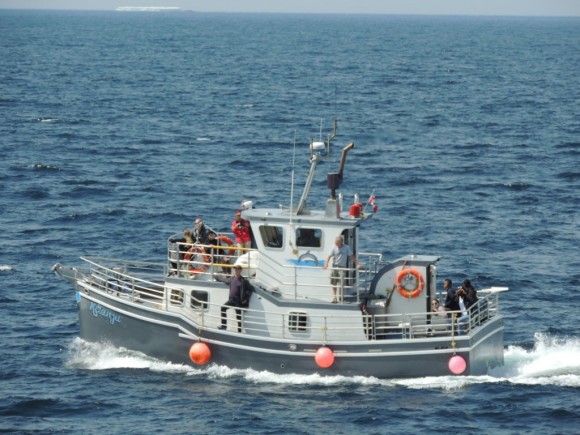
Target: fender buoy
<point>229,242</point>
<point>457,364</point>
<point>324,357</point>
<point>197,267</point>
<point>410,283</point>
<point>199,353</point>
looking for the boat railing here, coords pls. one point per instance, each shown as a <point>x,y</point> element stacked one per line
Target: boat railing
<point>308,282</point>
<point>289,281</point>
<point>197,261</point>
<point>119,279</point>
<point>351,326</point>
<point>372,263</point>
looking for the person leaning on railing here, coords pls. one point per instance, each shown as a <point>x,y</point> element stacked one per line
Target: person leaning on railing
<point>466,295</point>
<point>339,256</point>
<point>218,252</point>
<point>182,245</point>
<point>438,319</point>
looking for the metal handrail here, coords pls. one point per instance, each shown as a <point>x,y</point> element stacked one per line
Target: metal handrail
<point>339,328</point>
<point>347,327</point>
<point>207,266</point>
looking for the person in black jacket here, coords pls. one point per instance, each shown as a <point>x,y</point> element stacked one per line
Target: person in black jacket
<point>451,302</point>
<point>468,295</point>
<point>199,233</point>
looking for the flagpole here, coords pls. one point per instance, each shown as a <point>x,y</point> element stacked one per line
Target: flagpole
<point>369,200</point>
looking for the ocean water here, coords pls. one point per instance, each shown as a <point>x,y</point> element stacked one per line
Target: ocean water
<point>118,129</point>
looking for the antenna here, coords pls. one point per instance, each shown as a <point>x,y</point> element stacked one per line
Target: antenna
<point>331,137</point>
<point>292,178</point>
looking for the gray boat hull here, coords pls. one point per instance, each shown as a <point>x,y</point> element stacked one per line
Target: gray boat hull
<point>169,336</point>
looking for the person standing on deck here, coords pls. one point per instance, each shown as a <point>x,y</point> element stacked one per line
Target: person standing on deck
<point>241,229</point>
<point>199,233</point>
<point>240,292</point>
<point>451,302</point>
<point>339,255</point>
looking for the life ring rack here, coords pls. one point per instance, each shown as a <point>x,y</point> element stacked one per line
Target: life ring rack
<point>407,278</point>
<point>197,267</point>
<point>229,242</point>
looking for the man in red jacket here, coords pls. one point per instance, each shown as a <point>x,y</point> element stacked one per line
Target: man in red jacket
<point>241,229</point>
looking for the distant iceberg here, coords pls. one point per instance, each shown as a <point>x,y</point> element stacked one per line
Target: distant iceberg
<point>149,9</point>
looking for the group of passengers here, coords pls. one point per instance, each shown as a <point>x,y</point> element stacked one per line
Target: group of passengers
<point>213,249</point>
<point>202,235</point>
<point>458,302</point>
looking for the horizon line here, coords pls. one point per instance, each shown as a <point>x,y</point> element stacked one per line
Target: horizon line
<point>176,9</point>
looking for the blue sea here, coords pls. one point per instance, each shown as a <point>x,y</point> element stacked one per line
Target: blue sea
<point>118,129</point>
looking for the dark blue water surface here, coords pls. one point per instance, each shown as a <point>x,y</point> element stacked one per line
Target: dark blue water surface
<point>118,129</point>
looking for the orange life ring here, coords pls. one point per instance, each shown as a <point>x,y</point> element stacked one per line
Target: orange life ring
<point>229,242</point>
<point>407,278</point>
<point>198,267</point>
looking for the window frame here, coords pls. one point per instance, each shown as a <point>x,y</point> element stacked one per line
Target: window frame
<point>314,231</point>
<point>298,321</point>
<point>266,239</point>
<point>204,305</point>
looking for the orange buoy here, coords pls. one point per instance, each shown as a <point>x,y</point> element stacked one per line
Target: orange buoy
<point>199,353</point>
<point>324,357</point>
<point>457,364</point>
<point>410,283</point>
<point>193,254</point>
<point>229,242</point>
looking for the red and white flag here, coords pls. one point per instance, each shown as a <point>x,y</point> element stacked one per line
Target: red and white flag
<point>373,203</point>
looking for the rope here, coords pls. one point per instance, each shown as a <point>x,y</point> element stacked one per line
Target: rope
<point>453,343</point>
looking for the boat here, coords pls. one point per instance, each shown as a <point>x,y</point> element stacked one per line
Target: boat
<point>380,324</point>
<point>148,9</point>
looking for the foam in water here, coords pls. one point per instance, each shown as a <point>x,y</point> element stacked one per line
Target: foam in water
<point>552,361</point>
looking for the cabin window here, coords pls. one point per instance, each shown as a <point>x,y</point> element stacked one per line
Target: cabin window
<point>198,299</point>
<point>297,322</point>
<point>176,297</point>
<point>272,236</point>
<point>309,237</point>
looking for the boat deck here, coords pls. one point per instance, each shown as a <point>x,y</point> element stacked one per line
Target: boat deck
<point>137,283</point>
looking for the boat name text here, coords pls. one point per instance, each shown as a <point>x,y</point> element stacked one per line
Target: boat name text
<point>99,310</point>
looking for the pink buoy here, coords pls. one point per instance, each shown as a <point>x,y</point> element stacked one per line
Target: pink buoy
<point>324,357</point>
<point>199,353</point>
<point>457,365</point>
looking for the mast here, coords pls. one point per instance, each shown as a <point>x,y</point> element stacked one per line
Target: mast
<point>302,204</point>
<point>314,158</point>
